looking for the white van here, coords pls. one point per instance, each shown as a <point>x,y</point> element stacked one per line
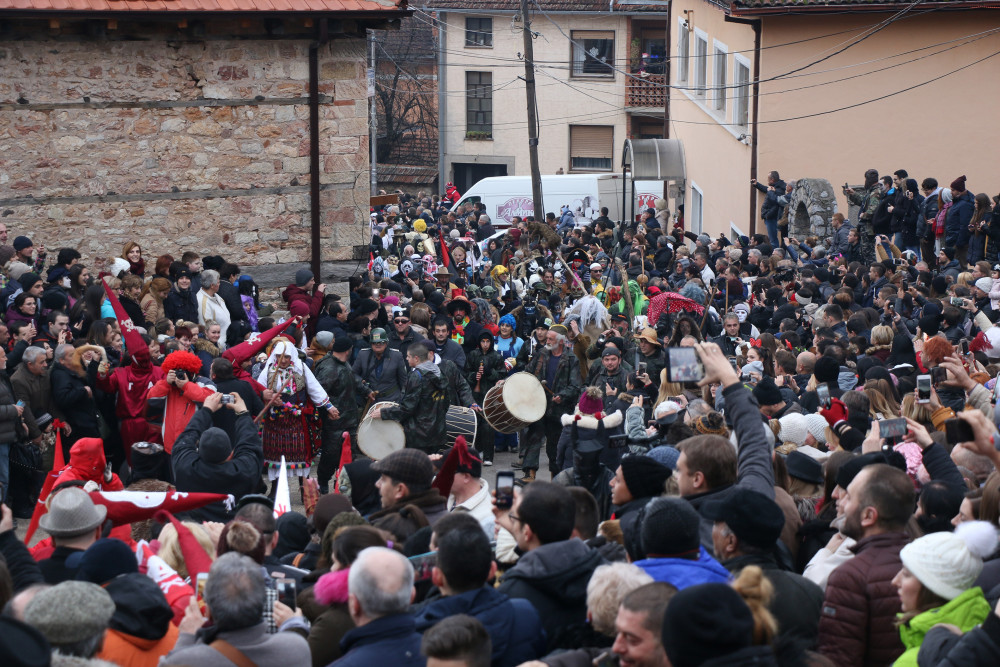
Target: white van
<point>585,194</point>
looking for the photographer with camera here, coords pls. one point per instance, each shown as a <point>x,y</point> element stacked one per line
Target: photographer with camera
<point>180,393</point>
<point>206,460</point>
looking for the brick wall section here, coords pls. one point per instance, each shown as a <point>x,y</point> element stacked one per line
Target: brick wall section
<point>228,175</point>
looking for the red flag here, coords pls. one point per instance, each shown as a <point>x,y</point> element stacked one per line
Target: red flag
<point>134,343</point>
<point>126,507</point>
<point>444,247</point>
<point>248,348</point>
<point>345,458</point>
<point>58,464</point>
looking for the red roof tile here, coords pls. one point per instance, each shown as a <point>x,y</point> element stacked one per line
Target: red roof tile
<point>61,6</point>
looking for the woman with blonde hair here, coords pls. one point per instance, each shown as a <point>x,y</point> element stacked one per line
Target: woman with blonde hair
<point>152,297</point>
<point>132,253</point>
<point>918,412</point>
<point>883,403</point>
<point>881,345</point>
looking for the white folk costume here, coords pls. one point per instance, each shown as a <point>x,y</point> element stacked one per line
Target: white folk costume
<point>291,427</point>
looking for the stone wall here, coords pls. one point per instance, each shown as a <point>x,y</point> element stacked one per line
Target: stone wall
<point>810,208</point>
<point>182,145</point>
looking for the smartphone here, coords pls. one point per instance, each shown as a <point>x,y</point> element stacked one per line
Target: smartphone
<point>286,592</point>
<point>732,362</point>
<point>923,389</point>
<point>955,301</point>
<point>200,587</point>
<point>423,564</point>
<point>965,347</point>
<point>892,429</point>
<point>939,374</point>
<point>958,430</point>
<point>683,365</point>
<point>505,489</point>
<point>641,367</point>
<point>823,392</point>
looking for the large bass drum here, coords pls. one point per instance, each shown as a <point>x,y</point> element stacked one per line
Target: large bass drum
<point>514,402</point>
<point>460,422</point>
<point>377,438</point>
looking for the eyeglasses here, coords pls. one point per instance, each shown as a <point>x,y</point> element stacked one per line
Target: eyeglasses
<point>401,320</point>
<point>514,517</point>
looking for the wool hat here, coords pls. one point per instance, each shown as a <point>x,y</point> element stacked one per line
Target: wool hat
<point>958,185</point>
<point>949,563</point>
<point>851,467</point>
<point>985,284</point>
<point>793,429</point>
<point>72,513</point>
<point>704,622</point>
<point>826,369</point>
<point>804,467</point>
<point>816,426</point>
<point>409,466</point>
<point>119,267</point>
<point>665,455</point>
<point>28,279</point>
<point>303,276</point>
<point>364,307</point>
<point>22,242</point>
<point>22,645</point>
<point>753,517</point>
<point>324,339</point>
<point>327,507</point>
<point>104,560</point>
<point>16,270</point>
<point>342,344</point>
<point>611,352</point>
<point>849,437</point>
<point>644,476</point>
<point>70,612</point>
<point>670,528</point>
<point>591,401</point>
<point>214,445</point>
<point>929,324</point>
<point>767,393</point>
<point>949,252</point>
<point>712,423</point>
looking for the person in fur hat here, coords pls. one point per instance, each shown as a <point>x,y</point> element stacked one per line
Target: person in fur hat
<point>73,394</point>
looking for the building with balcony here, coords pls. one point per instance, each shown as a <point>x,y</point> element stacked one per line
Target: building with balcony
<point>600,75</point>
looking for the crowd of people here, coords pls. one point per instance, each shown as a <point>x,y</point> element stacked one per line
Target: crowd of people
<point>760,450</point>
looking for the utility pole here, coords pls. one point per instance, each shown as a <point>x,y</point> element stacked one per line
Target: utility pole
<point>529,88</point>
<point>372,117</point>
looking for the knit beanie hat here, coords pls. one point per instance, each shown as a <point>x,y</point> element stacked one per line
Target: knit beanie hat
<point>591,403</point>
<point>711,424</point>
<point>949,563</point>
<point>303,276</point>
<point>29,279</point>
<point>958,185</point>
<point>985,284</point>
<point>826,370</point>
<point>704,622</point>
<point>767,393</point>
<point>214,445</point>
<point>816,426</point>
<point>666,455</point>
<point>793,429</point>
<point>670,528</point>
<point>104,560</point>
<point>644,476</point>
<point>949,252</point>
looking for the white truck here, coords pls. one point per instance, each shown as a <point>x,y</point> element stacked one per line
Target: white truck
<point>507,196</point>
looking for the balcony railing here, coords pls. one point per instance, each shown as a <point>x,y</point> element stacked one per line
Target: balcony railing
<point>645,91</point>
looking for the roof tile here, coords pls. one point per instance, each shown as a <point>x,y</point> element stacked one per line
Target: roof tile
<point>61,6</point>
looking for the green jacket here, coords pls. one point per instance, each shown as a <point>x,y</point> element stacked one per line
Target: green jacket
<point>966,611</point>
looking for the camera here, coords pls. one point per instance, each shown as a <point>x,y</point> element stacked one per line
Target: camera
<point>227,399</point>
<point>180,374</point>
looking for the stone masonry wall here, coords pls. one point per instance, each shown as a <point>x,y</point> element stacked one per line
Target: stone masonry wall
<point>182,145</point>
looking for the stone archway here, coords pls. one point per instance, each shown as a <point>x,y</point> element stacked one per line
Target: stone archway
<point>810,207</point>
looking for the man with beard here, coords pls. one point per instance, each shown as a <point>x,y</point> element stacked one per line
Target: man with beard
<point>444,345</point>
<point>858,625</point>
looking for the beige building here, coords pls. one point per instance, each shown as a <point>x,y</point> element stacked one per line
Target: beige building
<point>600,79</point>
<point>885,87</point>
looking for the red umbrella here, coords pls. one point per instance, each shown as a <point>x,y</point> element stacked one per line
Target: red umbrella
<point>672,302</point>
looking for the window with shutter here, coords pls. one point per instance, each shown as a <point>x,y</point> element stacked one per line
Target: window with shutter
<point>591,147</point>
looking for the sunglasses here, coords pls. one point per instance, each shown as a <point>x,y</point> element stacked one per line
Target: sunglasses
<point>401,320</point>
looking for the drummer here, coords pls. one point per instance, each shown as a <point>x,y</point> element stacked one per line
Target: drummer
<point>423,410</point>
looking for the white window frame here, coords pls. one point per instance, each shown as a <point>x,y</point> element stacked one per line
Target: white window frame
<point>720,78</point>
<point>734,231</point>
<point>742,94</point>
<point>700,64</point>
<point>683,55</point>
<point>697,223</point>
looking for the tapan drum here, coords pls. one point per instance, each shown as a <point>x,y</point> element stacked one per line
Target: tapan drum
<point>378,438</point>
<point>460,421</point>
<point>514,402</point>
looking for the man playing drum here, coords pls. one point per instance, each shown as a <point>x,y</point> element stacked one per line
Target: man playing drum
<point>424,407</point>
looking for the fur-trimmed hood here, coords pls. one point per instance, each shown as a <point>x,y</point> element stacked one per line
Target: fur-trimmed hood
<point>590,421</point>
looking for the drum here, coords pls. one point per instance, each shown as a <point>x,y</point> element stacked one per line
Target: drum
<point>514,402</point>
<point>377,438</point>
<point>460,421</point>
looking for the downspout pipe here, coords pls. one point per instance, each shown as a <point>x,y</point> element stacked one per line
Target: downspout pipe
<point>322,36</point>
<point>754,109</point>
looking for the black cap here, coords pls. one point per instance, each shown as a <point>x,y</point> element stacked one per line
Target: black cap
<point>342,344</point>
<point>753,517</point>
<point>804,467</point>
<point>767,393</point>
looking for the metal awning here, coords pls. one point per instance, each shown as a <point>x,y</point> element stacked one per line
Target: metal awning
<point>654,159</point>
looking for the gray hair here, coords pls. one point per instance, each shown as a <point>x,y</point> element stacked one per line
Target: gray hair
<point>483,219</point>
<point>236,592</point>
<point>561,339</point>
<point>607,588</point>
<point>209,278</point>
<point>753,252</point>
<point>382,581</point>
<point>62,350</point>
<point>32,353</point>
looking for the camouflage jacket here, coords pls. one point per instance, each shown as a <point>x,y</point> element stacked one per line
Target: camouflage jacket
<point>423,409</point>
<point>340,384</point>
<point>867,201</point>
